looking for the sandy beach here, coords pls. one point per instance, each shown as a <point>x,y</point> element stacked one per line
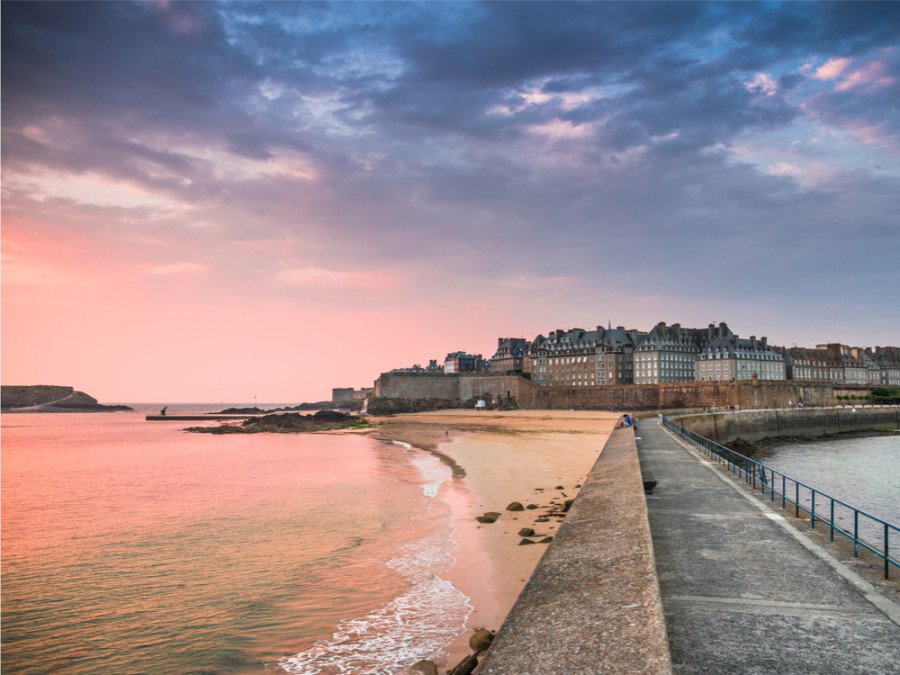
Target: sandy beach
<point>536,457</point>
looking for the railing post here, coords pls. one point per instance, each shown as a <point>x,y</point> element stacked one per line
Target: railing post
<point>832,519</point>
<point>783,492</point>
<point>813,510</point>
<point>855,533</point>
<point>887,554</point>
<point>796,499</point>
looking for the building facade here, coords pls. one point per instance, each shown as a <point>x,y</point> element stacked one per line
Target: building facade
<point>460,362</point>
<point>668,353</point>
<point>510,355</point>
<point>580,358</point>
<point>732,358</point>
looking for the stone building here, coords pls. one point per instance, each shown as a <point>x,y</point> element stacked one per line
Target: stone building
<point>888,360</point>
<point>510,355</point>
<point>349,393</point>
<point>733,358</point>
<point>668,353</point>
<point>580,358</point>
<point>460,362</point>
<point>856,367</point>
<point>817,365</point>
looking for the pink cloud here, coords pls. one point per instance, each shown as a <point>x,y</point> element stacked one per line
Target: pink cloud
<point>872,75</point>
<point>832,69</point>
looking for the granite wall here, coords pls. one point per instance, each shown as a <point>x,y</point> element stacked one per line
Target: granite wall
<point>803,423</point>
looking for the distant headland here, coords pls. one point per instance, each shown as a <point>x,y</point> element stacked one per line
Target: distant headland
<point>51,398</point>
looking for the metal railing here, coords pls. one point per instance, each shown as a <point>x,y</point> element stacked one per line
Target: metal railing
<point>818,505</point>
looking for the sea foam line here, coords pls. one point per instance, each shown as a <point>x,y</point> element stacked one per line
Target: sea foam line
<point>418,624</point>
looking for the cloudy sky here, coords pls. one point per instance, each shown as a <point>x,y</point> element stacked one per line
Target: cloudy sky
<point>210,202</point>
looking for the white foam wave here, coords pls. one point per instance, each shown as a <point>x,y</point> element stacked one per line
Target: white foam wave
<point>418,624</point>
<point>431,468</point>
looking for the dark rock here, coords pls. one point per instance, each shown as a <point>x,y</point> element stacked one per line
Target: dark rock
<point>332,415</point>
<point>464,667</point>
<point>515,506</point>
<point>423,667</point>
<point>560,487</point>
<point>481,640</point>
<point>526,532</point>
<point>542,519</point>
<point>531,506</point>
<point>489,517</point>
<point>526,541</point>
<point>567,505</point>
<point>546,540</point>
<point>324,420</point>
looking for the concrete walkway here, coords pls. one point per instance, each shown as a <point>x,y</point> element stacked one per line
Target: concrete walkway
<point>743,591</point>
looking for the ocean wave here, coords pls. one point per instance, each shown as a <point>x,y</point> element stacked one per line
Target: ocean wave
<point>419,624</point>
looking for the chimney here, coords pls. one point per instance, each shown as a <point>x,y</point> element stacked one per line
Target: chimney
<point>676,328</point>
<point>753,342</point>
<point>661,327</point>
<point>765,341</point>
<point>723,330</point>
<point>734,339</point>
<point>709,332</point>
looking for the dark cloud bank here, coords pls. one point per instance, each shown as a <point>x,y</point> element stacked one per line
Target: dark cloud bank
<point>538,137</point>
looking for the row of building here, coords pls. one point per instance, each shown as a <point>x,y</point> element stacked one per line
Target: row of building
<point>673,353</point>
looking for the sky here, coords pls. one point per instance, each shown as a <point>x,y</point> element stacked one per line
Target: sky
<point>261,201</point>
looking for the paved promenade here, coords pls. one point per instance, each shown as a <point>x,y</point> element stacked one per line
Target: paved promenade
<point>745,592</point>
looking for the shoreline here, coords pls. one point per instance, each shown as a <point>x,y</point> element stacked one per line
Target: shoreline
<point>534,457</point>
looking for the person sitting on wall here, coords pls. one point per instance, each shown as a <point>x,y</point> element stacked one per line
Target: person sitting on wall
<point>624,421</point>
<point>163,411</point>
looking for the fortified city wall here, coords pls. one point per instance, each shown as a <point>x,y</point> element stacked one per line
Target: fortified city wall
<point>526,394</point>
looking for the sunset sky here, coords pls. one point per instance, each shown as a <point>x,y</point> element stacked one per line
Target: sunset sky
<point>216,202</point>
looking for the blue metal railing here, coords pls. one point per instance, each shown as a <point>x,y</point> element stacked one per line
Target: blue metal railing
<point>767,479</point>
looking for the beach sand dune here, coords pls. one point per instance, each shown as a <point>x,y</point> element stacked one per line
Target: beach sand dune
<point>534,457</point>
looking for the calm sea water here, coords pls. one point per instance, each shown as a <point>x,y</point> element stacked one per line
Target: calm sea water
<point>134,547</point>
<point>864,472</point>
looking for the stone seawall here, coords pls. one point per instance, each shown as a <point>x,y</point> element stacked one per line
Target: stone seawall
<point>673,395</point>
<point>593,603</point>
<point>756,425</point>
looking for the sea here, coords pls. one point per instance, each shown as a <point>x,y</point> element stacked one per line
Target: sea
<point>131,546</point>
<point>863,472</point>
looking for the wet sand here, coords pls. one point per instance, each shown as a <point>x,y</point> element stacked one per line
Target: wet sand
<point>535,457</point>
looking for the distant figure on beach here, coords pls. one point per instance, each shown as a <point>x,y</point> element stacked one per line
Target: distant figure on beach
<point>163,411</point>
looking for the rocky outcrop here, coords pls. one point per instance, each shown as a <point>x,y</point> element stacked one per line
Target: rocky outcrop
<point>287,423</point>
<point>354,405</point>
<point>52,398</point>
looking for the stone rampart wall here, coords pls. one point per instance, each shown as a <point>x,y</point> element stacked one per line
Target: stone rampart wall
<point>592,604</point>
<point>624,397</point>
<point>416,385</point>
<point>805,423</point>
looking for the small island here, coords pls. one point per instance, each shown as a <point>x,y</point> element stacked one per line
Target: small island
<point>51,398</point>
<point>287,423</point>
